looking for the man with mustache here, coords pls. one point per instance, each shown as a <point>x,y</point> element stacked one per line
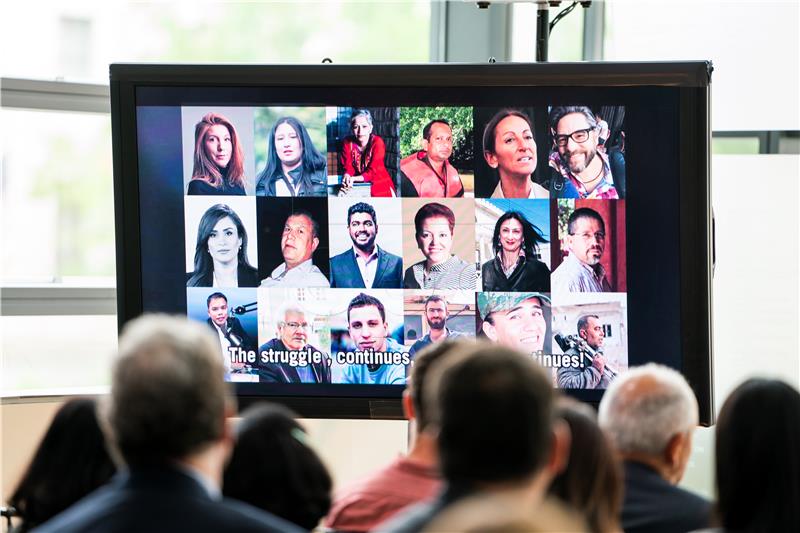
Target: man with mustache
<point>517,320</point>
<point>428,173</point>
<point>365,265</point>
<point>590,329</point>
<point>293,329</point>
<point>580,170</point>
<point>582,271</point>
<point>299,240</point>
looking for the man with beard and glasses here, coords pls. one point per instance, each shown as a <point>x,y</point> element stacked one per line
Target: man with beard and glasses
<point>365,265</point>
<point>580,169</point>
<point>436,314</point>
<point>581,270</point>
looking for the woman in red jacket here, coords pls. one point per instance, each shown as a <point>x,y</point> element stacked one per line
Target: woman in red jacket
<point>362,157</point>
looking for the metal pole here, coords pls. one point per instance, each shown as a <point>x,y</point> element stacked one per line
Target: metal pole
<point>542,31</point>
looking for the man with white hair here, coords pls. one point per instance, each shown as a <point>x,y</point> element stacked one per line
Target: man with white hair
<point>289,358</point>
<point>650,413</point>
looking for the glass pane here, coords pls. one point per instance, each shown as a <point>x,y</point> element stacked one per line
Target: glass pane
<point>755,47</point>
<point>76,41</point>
<point>73,357</point>
<point>735,145</point>
<point>566,40</point>
<point>57,196</point>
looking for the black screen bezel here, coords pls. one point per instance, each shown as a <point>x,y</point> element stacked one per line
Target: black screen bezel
<point>690,79</point>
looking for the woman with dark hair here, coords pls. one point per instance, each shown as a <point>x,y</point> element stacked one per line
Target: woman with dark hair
<point>220,256</point>
<point>510,149</point>
<point>362,157</point>
<point>273,468</point>
<point>71,462</point>
<point>758,458</point>
<point>592,481</point>
<point>515,266</point>
<point>218,159</point>
<point>294,166</point>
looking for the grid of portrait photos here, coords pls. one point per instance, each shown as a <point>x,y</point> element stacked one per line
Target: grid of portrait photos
<point>331,244</point>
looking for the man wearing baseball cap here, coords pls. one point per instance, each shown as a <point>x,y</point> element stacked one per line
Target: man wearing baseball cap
<point>516,319</point>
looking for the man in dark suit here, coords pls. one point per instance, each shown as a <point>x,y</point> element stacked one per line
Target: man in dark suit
<point>228,330</point>
<point>366,265</point>
<point>288,358</point>
<point>650,413</point>
<point>167,419</point>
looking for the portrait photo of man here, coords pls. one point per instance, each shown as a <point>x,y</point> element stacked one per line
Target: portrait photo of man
<point>595,253</point>
<point>299,239</point>
<point>228,329</point>
<point>435,312</point>
<point>591,375</point>
<point>578,168</point>
<point>293,327</point>
<point>429,172</point>
<point>369,331</point>
<point>517,320</point>
<point>365,264</point>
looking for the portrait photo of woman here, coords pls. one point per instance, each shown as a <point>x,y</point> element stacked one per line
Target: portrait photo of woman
<point>362,157</point>
<point>220,255</point>
<point>515,266</point>
<point>218,161</point>
<point>509,149</point>
<point>435,237</point>
<point>294,166</point>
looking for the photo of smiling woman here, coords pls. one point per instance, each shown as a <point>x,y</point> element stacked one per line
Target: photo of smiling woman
<point>509,148</point>
<point>294,166</point>
<point>218,162</point>
<point>434,232</point>
<point>220,255</point>
<point>515,266</point>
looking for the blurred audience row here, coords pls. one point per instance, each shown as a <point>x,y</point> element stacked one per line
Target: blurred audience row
<point>495,449</point>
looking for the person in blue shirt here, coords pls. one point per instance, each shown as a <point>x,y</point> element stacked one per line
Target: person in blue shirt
<point>366,323</point>
<point>436,314</point>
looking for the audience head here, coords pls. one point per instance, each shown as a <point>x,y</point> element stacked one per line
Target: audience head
<point>70,462</point>
<point>168,396</point>
<point>493,408</point>
<point>592,481</point>
<point>650,413</point>
<point>418,381</point>
<point>273,468</point>
<point>758,458</point>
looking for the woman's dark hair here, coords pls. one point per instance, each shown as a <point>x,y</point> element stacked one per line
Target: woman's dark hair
<point>592,481</point>
<point>273,468</point>
<point>531,234</point>
<point>203,263</point>
<point>207,170</point>
<point>312,160</point>
<point>758,458</point>
<point>491,126</point>
<point>71,462</point>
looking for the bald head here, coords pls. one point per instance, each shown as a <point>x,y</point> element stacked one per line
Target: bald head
<point>645,408</point>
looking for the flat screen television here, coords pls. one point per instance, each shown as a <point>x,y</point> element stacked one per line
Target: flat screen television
<point>326,222</point>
